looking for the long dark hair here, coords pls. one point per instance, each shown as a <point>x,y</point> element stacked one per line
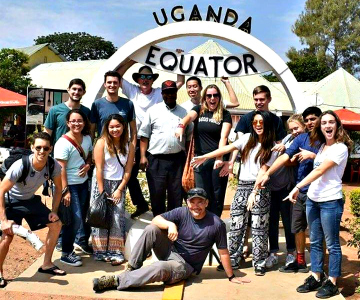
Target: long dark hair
<point>124,138</point>
<point>341,135</point>
<point>267,140</point>
<point>86,129</point>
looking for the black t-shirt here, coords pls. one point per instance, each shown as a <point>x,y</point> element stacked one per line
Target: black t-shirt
<point>196,237</point>
<point>207,131</point>
<point>244,125</point>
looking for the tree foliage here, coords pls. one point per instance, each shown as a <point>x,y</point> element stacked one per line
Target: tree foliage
<point>306,66</point>
<point>78,46</point>
<point>14,70</point>
<point>331,29</point>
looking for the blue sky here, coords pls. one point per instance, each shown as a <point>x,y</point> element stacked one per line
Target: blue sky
<point>120,21</point>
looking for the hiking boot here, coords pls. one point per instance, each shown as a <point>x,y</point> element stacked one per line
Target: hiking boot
<point>327,290</point>
<point>71,259</point>
<point>290,258</point>
<point>310,284</point>
<point>84,248</point>
<point>139,211</point>
<point>105,283</point>
<point>271,260</point>
<point>294,267</point>
<point>259,271</point>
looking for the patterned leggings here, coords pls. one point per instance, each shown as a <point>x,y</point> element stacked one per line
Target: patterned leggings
<point>259,224</point>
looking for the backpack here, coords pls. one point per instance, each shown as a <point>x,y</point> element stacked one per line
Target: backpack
<point>23,154</point>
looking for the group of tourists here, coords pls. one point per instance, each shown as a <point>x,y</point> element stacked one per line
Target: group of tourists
<point>297,176</point>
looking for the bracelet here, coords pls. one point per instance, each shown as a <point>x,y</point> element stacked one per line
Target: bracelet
<point>66,189</point>
<point>231,277</point>
<point>181,125</point>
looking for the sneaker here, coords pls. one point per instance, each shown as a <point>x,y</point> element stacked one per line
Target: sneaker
<point>310,284</point>
<point>105,283</point>
<point>327,290</point>
<point>294,267</point>
<point>259,271</point>
<point>84,248</point>
<point>271,260</point>
<point>58,247</point>
<point>117,259</point>
<point>290,258</point>
<point>220,268</point>
<point>75,256</point>
<point>139,211</point>
<point>71,260</point>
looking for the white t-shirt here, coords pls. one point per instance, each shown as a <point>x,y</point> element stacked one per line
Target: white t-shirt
<point>66,151</point>
<point>328,186</point>
<point>249,169</point>
<point>112,169</point>
<point>141,102</point>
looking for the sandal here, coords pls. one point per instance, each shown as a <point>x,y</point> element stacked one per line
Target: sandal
<point>117,260</point>
<point>3,282</point>
<point>52,271</point>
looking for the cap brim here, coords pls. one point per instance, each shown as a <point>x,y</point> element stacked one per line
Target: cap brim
<point>135,76</point>
<point>196,196</point>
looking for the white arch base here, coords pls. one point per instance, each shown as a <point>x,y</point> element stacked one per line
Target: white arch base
<point>200,28</point>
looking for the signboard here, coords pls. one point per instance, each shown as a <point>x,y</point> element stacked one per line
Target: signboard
<point>202,65</point>
<point>39,101</point>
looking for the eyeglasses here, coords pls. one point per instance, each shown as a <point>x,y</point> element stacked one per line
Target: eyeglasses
<point>209,96</point>
<point>148,77</point>
<point>73,122</point>
<point>255,122</point>
<point>38,148</point>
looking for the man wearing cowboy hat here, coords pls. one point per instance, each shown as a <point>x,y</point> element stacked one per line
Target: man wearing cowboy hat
<point>143,96</point>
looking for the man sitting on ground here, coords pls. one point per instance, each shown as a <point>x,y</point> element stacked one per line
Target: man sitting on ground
<point>23,203</point>
<point>181,238</point>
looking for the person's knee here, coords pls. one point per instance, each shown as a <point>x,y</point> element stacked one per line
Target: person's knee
<point>55,226</point>
<point>151,229</point>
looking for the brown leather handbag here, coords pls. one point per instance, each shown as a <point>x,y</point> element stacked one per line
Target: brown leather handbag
<point>188,178</point>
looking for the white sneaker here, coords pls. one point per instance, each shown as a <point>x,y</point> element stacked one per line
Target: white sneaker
<point>271,261</point>
<point>290,258</point>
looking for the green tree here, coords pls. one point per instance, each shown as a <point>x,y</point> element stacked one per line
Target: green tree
<point>14,70</point>
<point>306,66</point>
<point>331,29</point>
<point>78,46</point>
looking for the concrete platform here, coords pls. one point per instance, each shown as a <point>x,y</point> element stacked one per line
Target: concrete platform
<point>210,284</point>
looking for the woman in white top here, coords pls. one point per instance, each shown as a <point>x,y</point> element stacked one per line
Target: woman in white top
<point>114,158</point>
<point>73,152</point>
<point>255,148</point>
<point>325,204</point>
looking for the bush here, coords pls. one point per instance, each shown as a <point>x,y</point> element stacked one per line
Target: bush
<point>354,224</point>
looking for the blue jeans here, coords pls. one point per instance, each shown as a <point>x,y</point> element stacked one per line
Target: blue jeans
<point>324,221</point>
<point>79,196</point>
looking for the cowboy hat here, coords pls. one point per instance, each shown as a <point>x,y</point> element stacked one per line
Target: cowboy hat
<point>145,70</point>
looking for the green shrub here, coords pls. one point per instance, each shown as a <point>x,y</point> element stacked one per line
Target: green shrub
<point>355,202</point>
<point>354,224</point>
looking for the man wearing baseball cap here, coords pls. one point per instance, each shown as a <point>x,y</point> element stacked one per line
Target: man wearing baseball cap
<point>181,240</point>
<point>162,155</point>
<point>143,96</point>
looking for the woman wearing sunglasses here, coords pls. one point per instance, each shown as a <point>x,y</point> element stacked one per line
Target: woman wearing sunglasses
<point>212,124</point>
<point>73,152</point>
<point>256,156</point>
<point>325,204</point>
<point>114,158</point>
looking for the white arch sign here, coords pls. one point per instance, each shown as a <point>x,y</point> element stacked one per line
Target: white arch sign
<point>198,28</point>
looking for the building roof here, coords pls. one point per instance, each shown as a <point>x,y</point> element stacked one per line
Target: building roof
<point>35,48</point>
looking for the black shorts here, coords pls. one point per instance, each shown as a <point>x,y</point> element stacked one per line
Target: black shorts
<point>298,222</point>
<point>33,211</point>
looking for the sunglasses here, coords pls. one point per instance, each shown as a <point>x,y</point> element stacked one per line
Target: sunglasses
<point>148,77</point>
<point>255,122</point>
<point>46,148</point>
<point>209,96</point>
<point>196,192</point>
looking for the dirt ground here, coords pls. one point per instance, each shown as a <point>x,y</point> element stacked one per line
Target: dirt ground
<point>21,255</point>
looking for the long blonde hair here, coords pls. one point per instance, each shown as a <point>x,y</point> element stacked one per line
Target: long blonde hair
<point>218,113</point>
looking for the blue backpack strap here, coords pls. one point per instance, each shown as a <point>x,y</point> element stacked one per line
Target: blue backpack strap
<point>26,169</point>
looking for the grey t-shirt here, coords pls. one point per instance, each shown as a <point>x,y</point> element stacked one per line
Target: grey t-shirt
<point>196,237</point>
<point>34,179</point>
